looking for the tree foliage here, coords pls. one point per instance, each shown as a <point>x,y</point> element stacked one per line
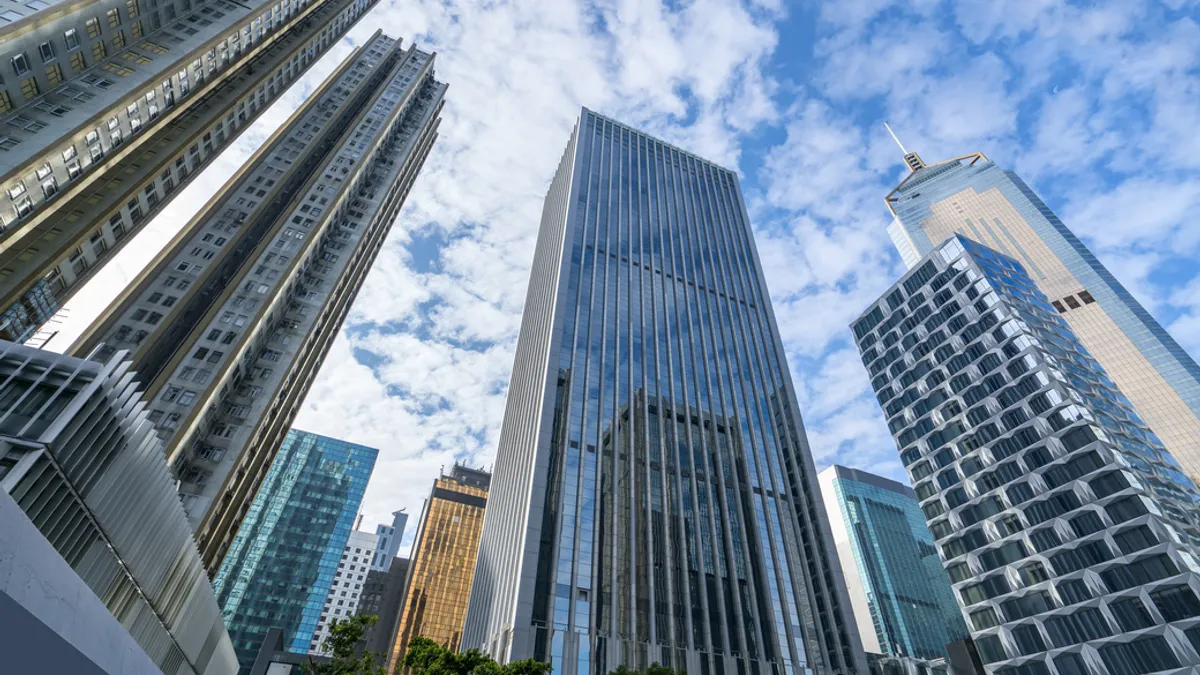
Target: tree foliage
<point>344,636</point>
<point>426,657</point>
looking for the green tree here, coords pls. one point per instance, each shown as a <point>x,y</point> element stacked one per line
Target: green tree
<point>340,645</point>
<point>426,657</point>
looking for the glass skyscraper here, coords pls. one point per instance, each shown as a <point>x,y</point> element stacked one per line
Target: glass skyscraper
<point>898,588</point>
<point>282,562</point>
<point>972,197</point>
<point>1068,532</point>
<point>654,498</point>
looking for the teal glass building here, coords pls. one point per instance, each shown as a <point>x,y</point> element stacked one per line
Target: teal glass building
<point>901,595</point>
<point>280,567</point>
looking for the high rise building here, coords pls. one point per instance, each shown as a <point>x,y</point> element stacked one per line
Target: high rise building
<point>900,593</point>
<point>442,563</point>
<point>281,566</point>
<point>230,323</point>
<point>972,197</point>
<point>111,107</point>
<point>79,457</point>
<point>654,497</point>
<point>1070,535</point>
<point>388,541</point>
<point>346,589</point>
<point>382,596</point>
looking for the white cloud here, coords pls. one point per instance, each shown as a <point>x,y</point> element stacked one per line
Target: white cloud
<point>1096,105</point>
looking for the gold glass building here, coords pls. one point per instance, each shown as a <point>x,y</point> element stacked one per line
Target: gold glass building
<point>443,562</point>
<point>971,196</point>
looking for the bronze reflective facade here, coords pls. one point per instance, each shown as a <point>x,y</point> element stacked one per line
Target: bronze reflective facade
<point>442,563</point>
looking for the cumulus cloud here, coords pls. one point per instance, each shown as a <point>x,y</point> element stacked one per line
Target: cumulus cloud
<point>1096,105</point>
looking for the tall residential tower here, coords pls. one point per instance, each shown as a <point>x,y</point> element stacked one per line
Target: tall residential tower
<point>230,323</point>
<point>972,197</point>
<point>1068,532</point>
<point>108,108</point>
<point>654,499</point>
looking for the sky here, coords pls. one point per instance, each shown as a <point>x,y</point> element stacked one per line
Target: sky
<point>1096,105</point>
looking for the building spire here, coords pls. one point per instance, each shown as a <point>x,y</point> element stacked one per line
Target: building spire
<point>912,159</point>
<point>889,128</point>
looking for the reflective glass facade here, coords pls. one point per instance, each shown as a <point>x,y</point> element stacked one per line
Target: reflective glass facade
<point>443,563</point>
<point>281,565</point>
<point>976,199</point>
<point>1068,532</point>
<point>654,499</point>
<point>901,595</point>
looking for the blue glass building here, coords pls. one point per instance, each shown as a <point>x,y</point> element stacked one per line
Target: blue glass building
<point>974,198</point>
<point>280,566</point>
<point>654,498</point>
<point>898,588</point>
<point>1069,533</point>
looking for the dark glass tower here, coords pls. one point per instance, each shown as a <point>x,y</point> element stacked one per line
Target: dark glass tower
<point>654,498</point>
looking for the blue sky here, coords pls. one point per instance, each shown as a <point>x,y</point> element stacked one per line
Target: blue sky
<point>1097,105</point>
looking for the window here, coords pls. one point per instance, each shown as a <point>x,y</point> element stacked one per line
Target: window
<point>29,88</point>
<point>1082,626</point>
<point>1131,614</point>
<point>1126,509</point>
<point>46,51</point>
<point>1086,297</point>
<point>1071,664</point>
<point>114,18</point>
<point>990,649</point>
<point>1139,572</point>
<point>1086,523</point>
<point>1084,555</point>
<point>1176,603</point>
<point>1146,655</point>
<point>1027,605</point>
<point>71,37</point>
<point>93,28</point>
<point>1028,639</point>
<point>1073,591</point>
<point>20,64</point>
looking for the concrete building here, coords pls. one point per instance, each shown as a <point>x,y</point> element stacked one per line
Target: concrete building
<point>80,458</point>
<point>108,108</point>
<point>654,496</point>
<point>383,596</point>
<point>347,586</point>
<point>442,563</point>
<point>972,197</point>
<point>900,593</point>
<point>388,541</point>
<point>1069,533</point>
<point>230,323</point>
<point>282,564</point>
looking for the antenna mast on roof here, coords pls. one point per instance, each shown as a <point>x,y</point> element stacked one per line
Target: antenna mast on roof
<point>912,159</point>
